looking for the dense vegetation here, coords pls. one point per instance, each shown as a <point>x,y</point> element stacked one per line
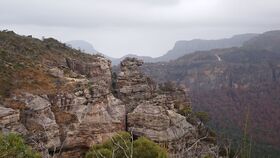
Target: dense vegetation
<point>13,146</point>
<point>122,145</point>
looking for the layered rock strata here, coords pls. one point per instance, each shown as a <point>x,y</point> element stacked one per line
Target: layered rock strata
<point>67,123</point>
<point>155,114</point>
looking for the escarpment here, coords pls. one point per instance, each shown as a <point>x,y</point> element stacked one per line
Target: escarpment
<point>61,101</point>
<point>229,82</point>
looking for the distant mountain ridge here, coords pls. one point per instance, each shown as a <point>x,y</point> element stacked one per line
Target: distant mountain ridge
<point>83,46</point>
<point>180,48</point>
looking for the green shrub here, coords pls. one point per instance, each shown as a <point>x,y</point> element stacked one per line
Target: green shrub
<point>122,146</point>
<point>13,146</point>
<point>185,111</point>
<point>144,148</point>
<point>202,116</point>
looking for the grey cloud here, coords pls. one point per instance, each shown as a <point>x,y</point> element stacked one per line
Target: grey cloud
<point>150,2</point>
<point>144,26</point>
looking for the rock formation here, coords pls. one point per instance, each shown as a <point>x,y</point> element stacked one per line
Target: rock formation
<point>90,114</point>
<point>63,101</point>
<point>10,120</point>
<point>132,84</point>
<point>154,114</point>
<point>69,122</point>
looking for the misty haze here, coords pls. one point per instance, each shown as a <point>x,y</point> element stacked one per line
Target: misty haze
<point>140,79</point>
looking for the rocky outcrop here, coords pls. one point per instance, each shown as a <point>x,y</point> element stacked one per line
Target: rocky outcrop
<point>56,72</point>
<point>39,120</point>
<point>63,101</point>
<point>10,120</point>
<point>170,130</point>
<point>97,72</point>
<point>84,123</point>
<point>155,114</point>
<point>132,84</point>
<point>67,123</point>
<point>165,127</point>
<point>90,114</point>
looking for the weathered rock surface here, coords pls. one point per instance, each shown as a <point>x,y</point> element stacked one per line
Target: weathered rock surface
<point>56,72</point>
<point>71,121</point>
<point>85,123</point>
<point>158,123</point>
<point>170,130</point>
<point>132,84</point>
<point>63,101</point>
<point>154,114</point>
<point>10,120</point>
<point>98,73</point>
<point>40,122</point>
<point>89,115</point>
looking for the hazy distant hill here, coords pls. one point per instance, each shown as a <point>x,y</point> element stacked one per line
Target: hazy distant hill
<point>185,47</point>
<point>86,47</point>
<point>82,45</point>
<point>268,41</point>
<point>182,48</point>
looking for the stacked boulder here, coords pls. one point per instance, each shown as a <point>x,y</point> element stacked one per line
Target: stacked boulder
<point>154,114</point>
<point>133,86</point>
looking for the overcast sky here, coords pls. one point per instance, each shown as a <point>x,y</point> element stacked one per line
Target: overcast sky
<point>143,27</point>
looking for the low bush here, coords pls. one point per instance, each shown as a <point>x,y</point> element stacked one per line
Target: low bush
<point>13,146</point>
<point>202,116</point>
<point>123,146</point>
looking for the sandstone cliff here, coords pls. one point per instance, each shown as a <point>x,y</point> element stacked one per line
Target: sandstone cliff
<point>152,112</point>
<point>62,101</point>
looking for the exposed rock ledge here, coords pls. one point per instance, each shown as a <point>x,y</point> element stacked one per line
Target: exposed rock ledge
<point>152,113</point>
<point>69,122</point>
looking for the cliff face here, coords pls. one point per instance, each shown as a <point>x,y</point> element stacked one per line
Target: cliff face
<point>67,106</point>
<point>228,83</point>
<point>132,85</point>
<point>61,101</point>
<point>70,120</point>
<point>152,112</point>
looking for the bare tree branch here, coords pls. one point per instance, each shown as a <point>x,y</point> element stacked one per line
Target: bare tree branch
<point>196,142</point>
<point>117,144</point>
